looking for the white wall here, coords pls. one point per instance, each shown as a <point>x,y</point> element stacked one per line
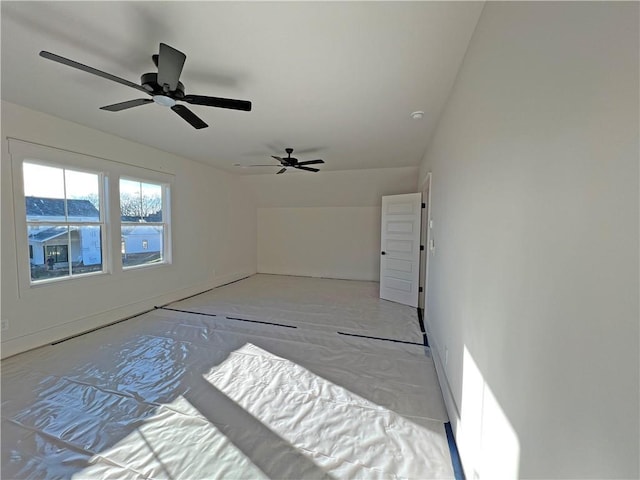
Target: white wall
<point>325,224</point>
<point>533,294</point>
<point>213,225</point>
<point>333,242</point>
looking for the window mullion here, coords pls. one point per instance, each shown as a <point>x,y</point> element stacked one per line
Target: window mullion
<point>69,251</point>
<point>140,212</point>
<point>64,189</point>
<point>79,222</point>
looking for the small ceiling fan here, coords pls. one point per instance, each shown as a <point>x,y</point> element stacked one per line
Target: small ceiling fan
<point>288,162</point>
<point>163,87</point>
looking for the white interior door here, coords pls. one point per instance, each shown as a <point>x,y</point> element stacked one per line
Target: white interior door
<point>400,250</point>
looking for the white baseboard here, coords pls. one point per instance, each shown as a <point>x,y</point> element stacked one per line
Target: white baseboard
<point>77,326</point>
<point>317,274</point>
<point>233,277</point>
<point>449,401</point>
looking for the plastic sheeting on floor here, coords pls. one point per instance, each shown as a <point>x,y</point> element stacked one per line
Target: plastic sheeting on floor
<point>186,396</point>
<point>344,305</point>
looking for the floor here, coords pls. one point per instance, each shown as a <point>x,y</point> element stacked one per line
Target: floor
<point>249,380</point>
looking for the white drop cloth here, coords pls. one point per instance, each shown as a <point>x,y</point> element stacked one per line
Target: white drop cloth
<point>321,303</point>
<point>178,395</point>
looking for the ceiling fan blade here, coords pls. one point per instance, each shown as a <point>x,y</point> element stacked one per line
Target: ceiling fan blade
<point>307,168</point>
<point>170,63</point>
<point>304,151</point>
<point>94,71</point>
<point>218,102</point>
<point>189,116</point>
<point>311,162</point>
<point>281,171</point>
<point>116,107</point>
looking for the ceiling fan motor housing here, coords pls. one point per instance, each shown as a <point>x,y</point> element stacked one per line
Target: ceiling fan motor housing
<point>290,160</point>
<point>150,82</point>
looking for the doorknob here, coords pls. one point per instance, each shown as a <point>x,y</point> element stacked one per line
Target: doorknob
<point>383,253</point>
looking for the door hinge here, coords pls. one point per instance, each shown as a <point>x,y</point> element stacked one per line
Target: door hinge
<point>419,289</point>
<point>424,205</point>
<point>421,247</point>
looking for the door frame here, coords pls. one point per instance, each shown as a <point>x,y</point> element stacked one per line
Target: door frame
<point>425,240</point>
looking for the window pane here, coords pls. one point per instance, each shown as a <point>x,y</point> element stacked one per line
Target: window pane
<point>140,201</point>
<point>134,239</point>
<point>130,204</point>
<point>44,192</point>
<point>151,202</point>
<point>41,181</point>
<point>86,249</point>
<point>50,251</point>
<point>83,196</point>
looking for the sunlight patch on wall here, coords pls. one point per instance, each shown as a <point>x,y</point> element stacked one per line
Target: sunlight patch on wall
<point>488,444</point>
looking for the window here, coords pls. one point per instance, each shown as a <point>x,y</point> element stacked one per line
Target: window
<point>64,220</point>
<point>144,225</point>
<point>71,210</point>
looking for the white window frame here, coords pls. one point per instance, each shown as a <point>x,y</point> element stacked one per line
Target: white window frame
<point>24,152</point>
<point>21,151</point>
<point>101,222</point>
<point>165,188</point>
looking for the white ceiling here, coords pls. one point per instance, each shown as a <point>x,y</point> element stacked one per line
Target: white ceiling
<point>335,79</point>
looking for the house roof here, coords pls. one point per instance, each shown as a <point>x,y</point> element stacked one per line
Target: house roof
<point>54,207</point>
<point>48,234</point>
<point>153,217</point>
<point>141,230</point>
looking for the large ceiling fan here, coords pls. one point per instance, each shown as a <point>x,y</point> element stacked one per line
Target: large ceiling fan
<point>288,162</point>
<point>163,87</point>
